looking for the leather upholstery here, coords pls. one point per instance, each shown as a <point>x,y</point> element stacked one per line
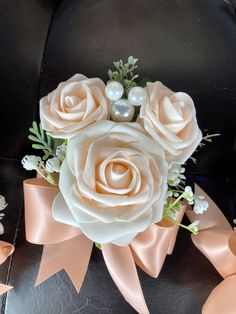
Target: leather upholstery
<point>189,45</point>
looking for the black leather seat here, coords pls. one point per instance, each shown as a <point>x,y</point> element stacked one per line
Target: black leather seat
<point>188,45</point>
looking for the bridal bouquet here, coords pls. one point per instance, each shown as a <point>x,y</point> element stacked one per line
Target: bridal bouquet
<point>111,172</point>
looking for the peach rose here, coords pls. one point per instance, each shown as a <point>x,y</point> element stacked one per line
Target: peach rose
<point>170,119</point>
<point>73,105</point>
<point>112,183</point>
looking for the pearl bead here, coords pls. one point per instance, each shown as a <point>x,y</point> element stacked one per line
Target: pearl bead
<point>122,111</point>
<point>137,96</point>
<point>114,90</point>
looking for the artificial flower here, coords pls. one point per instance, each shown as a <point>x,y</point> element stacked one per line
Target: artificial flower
<point>74,105</point>
<point>113,182</point>
<point>53,165</point>
<point>61,152</point>
<point>200,204</point>
<point>170,119</point>
<point>194,226</point>
<point>32,162</point>
<point>3,205</point>
<point>175,175</point>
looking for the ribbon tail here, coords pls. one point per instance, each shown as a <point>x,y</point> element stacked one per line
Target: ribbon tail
<point>122,268</point>
<point>4,288</point>
<point>47,269</point>
<point>77,270</point>
<point>222,298</point>
<point>72,255</point>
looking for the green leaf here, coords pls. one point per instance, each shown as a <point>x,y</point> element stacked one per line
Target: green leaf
<point>43,140</point>
<point>34,138</point>
<point>42,131</point>
<point>124,71</point>
<point>49,139</point>
<point>98,245</point>
<point>46,155</point>
<point>143,82</point>
<point>35,126</point>
<point>33,131</point>
<point>38,146</point>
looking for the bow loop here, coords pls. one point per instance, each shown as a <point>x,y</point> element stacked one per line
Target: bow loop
<point>41,227</point>
<point>150,247</point>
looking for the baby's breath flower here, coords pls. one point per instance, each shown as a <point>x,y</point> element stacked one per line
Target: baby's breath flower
<point>175,174</point>
<point>61,152</point>
<point>200,204</point>
<point>193,227</point>
<point>1,228</point>
<point>53,165</point>
<point>171,214</point>
<point>3,203</point>
<point>168,194</point>
<point>31,162</point>
<point>188,195</point>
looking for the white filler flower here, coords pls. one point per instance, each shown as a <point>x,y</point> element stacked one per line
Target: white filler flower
<point>188,195</point>
<point>193,227</point>
<point>53,165</point>
<point>3,205</point>
<point>200,204</point>
<point>61,152</point>
<point>175,174</point>
<point>31,162</point>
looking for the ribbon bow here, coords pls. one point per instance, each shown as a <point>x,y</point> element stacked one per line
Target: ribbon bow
<point>65,247</point>
<point>217,241</point>
<point>6,249</point>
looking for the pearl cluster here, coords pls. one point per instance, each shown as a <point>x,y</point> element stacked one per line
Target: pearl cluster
<point>122,110</point>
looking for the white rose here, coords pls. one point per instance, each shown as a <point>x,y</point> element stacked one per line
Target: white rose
<point>170,119</point>
<point>74,105</point>
<point>112,183</point>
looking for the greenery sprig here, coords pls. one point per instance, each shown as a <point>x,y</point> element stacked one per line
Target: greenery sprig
<point>43,141</point>
<point>124,73</point>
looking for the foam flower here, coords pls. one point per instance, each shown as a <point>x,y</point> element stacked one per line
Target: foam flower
<point>74,105</point>
<point>170,119</point>
<point>113,182</point>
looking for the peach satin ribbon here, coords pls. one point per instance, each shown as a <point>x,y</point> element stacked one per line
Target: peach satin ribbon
<point>65,247</point>
<point>6,249</point>
<point>217,241</point>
